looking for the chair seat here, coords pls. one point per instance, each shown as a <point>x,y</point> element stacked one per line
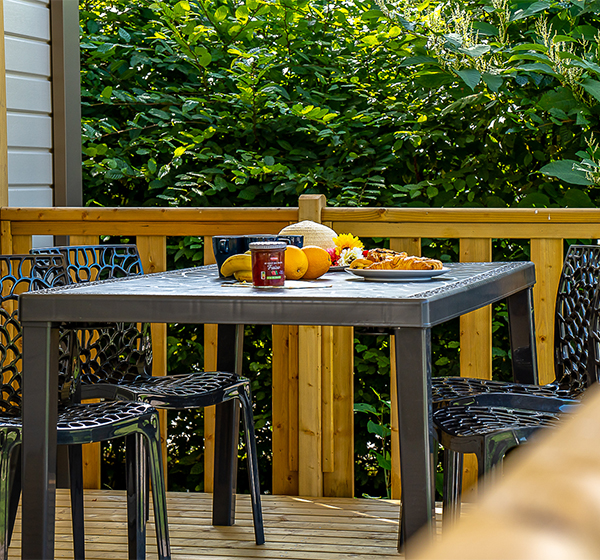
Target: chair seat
<point>189,390</point>
<point>464,421</point>
<point>448,389</point>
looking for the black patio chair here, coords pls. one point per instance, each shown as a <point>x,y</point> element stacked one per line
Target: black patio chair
<point>503,416</point>
<point>116,360</point>
<point>77,423</point>
<point>580,271</point>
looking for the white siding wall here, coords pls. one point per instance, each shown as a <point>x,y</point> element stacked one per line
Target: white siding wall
<point>29,104</point>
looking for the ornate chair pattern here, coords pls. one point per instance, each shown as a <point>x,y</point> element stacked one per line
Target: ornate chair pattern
<point>77,423</point>
<point>116,360</point>
<point>502,416</point>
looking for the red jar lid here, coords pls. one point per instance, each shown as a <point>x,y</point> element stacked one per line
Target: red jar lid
<point>267,245</point>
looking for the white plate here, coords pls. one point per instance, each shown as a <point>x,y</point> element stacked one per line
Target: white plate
<point>396,275</point>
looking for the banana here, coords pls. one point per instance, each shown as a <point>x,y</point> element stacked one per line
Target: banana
<point>243,275</point>
<point>235,263</point>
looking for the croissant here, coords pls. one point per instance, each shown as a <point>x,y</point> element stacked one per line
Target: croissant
<point>361,263</point>
<point>385,259</point>
<point>379,255</point>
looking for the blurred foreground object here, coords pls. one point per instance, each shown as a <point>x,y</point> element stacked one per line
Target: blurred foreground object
<point>547,505</point>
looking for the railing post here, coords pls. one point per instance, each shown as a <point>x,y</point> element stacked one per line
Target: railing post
<point>548,256</point>
<point>153,252</point>
<point>210,364</point>
<point>475,341</point>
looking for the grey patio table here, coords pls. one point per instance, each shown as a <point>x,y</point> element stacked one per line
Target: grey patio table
<point>408,309</point>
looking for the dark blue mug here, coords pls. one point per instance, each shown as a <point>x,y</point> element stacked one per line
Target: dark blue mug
<point>224,246</point>
<point>297,240</point>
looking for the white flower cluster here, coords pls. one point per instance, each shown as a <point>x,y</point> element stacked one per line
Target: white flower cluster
<point>348,255</point>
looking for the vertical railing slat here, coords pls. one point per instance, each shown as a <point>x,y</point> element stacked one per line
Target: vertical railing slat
<point>153,252</point>
<point>285,477</point>
<point>310,457</point>
<point>327,420</point>
<point>340,482</point>
<point>547,254</point>
<point>475,341</point>
<point>210,364</point>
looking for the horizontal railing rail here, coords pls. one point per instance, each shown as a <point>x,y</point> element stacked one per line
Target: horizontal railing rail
<point>312,397</point>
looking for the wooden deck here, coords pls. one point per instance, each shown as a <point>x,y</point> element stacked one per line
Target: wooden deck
<point>295,528</point>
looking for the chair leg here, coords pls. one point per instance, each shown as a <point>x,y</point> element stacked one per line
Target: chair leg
<point>453,468</point>
<point>14,485</point>
<point>246,401</point>
<point>77,515</point>
<point>136,491</point>
<point>159,497</point>
<point>8,486</point>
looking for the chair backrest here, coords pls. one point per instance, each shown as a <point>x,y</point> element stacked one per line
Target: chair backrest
<point>577,290</point>
<point>19,274</point>
<point>115,352</point>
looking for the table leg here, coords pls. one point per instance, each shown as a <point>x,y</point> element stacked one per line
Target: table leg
<point>40,391</point>
<point>522,337</point>
<point>227,428</point>
<point>413,362</point>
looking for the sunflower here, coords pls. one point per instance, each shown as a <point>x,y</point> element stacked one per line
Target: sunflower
<point>346,241</point>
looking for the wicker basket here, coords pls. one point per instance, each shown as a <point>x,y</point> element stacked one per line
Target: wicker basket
<point>314,233</point>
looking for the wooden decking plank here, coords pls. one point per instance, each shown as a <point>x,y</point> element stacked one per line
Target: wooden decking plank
<point>295,528</point>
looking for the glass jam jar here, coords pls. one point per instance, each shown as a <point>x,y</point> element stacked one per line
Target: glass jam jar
<point>268,259</point>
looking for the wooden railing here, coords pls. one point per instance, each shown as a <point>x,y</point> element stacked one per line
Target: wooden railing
<point>312,396</point>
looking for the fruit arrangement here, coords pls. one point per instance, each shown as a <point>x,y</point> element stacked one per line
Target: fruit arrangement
<point>307,263</point>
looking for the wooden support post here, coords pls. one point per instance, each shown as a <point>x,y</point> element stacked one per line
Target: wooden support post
<point>285,414</point>
<point>21,244</point>
<point>340,481</point>
<point>310,456</point>
<point>6,242</point>
<point>210,364</point>
<point>327,413</point>
<point>310,419</point>
<point>548,256</point>
<point>153,252</point>
<point>475,341</point>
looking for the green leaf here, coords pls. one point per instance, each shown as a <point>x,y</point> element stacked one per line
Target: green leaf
<point>476,50</point>
<point>532,9</point>
<point>160,114</point>
<point>485,28</point>
<point>493,81</point>
<point>378,429</point>
<point>364,407</point>
<point>414,60</point>
<point>561,98</point>
<point>592,87</point>
<point>221,13</point>
<point>564,171</point>
<point>180,151</point>
<point>124,35</point>
<point>470,77</point>
<point>576,198</point>
<point>204,57</point>
<point>107,92</point>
